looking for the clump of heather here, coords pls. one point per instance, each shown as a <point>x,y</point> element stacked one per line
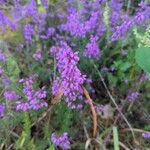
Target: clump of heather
<point>61,141</point>
<point>71,79</point>
<point>34,98</point>
<point>67,66</point>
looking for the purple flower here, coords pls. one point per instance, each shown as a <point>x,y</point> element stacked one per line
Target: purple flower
<point>28,32</point>
<point>62,141</point>
<point>2,109</point>
<point>10,95</point>
<point>132,96</point>
<point>6,81</point>
<point>70,79</point>
<point>146,135</point>
<point>116,12</point>
<point>99,108</point>
<point>6,22</point>
<point>37,55</point>
<point>92,50</point>
<point>30,9</point>
<point>34,97</point>
<point>50,31</point>
<point>143,78</point>
<point>45,3</point>
<point>121,30</point>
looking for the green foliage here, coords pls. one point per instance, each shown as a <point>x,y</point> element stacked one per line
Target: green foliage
<point>143,59</point>
<point>25,142</point>
<point>116,139</point>
<point>143,39</point>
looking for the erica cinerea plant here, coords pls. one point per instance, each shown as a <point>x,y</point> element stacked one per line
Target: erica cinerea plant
<point>68,70</point>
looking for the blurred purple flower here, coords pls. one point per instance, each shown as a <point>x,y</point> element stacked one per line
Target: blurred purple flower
<point>37,55</point>
<point>99,108</point>
<point>62,141</point>
<point>28,32</point>
<point>10,95</point>
<point>92,50</point>
<point>34,97</point>
<point>2,109</point>
<point>45,3</point>
<point>6,81</point>
<point>146,135</point>
<point>132,96</point>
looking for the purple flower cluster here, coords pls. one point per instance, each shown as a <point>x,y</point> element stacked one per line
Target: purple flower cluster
<point>128,22</point>
<point>6,22</point>
<point>70,78</point>
<point>45,3</point>
<point>78,24</point>
<point>132,96</point>
<point>2,109</point>
<point>146,135</point>
<point>122,29</point>
<point>99,108</point>
<point>92,49</point>
<point>142,14</point>
<point>10,95</point>
<point>34,97</point>
<point>61,141</point>
<point>28,32</point>
<point>116,11</point>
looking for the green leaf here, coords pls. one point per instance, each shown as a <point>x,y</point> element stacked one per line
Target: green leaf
<point>143,59</point>
<point>51,147</point>
<point>116,139</point>
<point>125,66</point>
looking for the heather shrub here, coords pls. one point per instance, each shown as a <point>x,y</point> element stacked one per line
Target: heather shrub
<point>74,74</point>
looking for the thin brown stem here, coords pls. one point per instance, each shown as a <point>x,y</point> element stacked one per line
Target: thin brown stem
<point>94,115</point>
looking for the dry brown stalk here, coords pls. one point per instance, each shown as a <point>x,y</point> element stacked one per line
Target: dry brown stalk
<point>94,115</point>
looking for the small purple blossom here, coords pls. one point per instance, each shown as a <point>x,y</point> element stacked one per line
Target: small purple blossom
<point>45,3</point>
<point>146,135</point>
<point>37,55</point>
<point>92,49</point>
<point>10,95</point>
<point>28,32</point>
<point>99,108</point>
<point>50,31</point>
<point>6,81</point>
<point>143,78</point>
<point>2,109</point>
<point>132,96</point>
<point>62,141</point>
